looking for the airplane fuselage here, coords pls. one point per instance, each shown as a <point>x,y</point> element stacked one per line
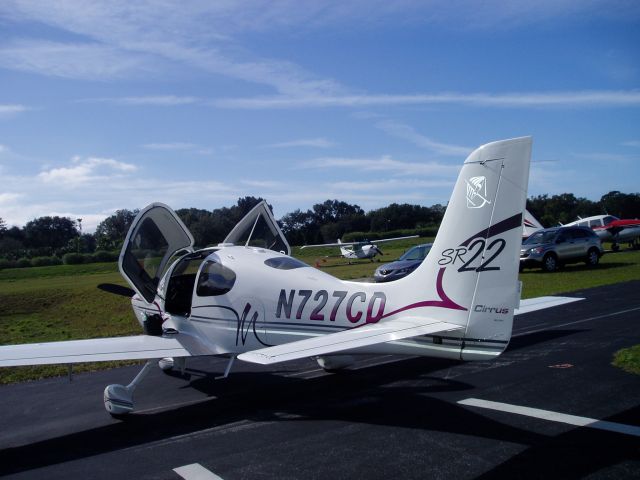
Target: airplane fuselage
<point>363,251</point>
<point>276,299</point>
<point>611,229</point>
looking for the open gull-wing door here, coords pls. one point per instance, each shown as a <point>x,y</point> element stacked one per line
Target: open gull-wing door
<point>259,228</point>
<point>154,236</point>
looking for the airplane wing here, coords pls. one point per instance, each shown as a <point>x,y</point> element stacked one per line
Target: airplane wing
<point>393,239</point>
<point>101,349</point>
<point>349,339</point>
<point>365,242</point>
<point>539,303</point>
<point>346,244</point>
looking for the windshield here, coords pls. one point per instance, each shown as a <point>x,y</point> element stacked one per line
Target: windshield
<point>418,252</point>
<point>541,237</point>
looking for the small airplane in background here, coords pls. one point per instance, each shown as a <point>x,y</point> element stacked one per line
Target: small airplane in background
<point>612,229</point>
<point>364,249</point>
<point>249,299</point>
<point>530,225</point>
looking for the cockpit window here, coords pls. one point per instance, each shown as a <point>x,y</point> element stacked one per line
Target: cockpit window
<point>595,223</point>
<point>215,279</point>
<point>609,219</point>
<point>419,252</point>
<point>284,263</point>
<point>543,236</point>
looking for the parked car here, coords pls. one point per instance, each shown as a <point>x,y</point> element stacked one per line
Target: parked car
<point>402,267</point>
<point>552,247</point>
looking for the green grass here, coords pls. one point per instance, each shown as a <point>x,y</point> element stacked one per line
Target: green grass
<point>613,268</point>
<point>62,302</point>
<point>628,359</point>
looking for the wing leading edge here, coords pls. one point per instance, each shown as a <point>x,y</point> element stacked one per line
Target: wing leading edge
<point>99,350</point>
<point>349,339</point>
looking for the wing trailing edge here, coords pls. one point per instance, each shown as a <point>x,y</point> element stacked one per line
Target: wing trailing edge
<point>349,339</point>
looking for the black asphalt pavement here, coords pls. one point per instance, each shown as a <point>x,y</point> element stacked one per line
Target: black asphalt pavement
<point>387,417</point>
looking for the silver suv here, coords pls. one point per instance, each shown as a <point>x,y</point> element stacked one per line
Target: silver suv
<point>552,247</point>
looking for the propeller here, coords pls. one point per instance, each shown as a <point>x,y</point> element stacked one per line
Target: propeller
<point>117,289</point>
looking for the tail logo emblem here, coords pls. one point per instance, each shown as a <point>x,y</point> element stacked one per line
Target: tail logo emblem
<point>477,192</point>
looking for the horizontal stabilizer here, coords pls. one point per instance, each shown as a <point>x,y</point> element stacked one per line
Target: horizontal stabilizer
<point>94,350</point>
<point>540,303</point>
<point>349,339</point>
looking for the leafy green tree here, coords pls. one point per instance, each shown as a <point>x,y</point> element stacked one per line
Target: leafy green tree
<point>297,226</point>
<point>622,205</point>
<point>49,232</point>
<point>111,232</point>
<point>402,216</point>
<point>206,230</point>
<point>562,208</point>
<point>3,227</point>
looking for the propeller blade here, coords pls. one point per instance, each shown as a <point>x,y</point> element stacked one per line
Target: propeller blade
<point>117,289</point>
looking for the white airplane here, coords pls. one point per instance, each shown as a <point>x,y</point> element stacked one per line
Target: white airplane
<point>530,225</point>
<point>612,229</point>
<point>365,249</point>
<point>248,299</point>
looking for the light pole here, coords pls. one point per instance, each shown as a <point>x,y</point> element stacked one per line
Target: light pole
<point>79,236</point>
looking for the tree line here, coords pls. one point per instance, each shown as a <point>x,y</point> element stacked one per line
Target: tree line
<point>59,237</point>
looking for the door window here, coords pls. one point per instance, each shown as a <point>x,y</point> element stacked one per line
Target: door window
<point>215,279</point>
<point>155,235</point>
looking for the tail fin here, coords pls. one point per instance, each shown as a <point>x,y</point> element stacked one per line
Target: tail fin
<point>345,252</point>
<point>472,269</point>
<point>530,224</point>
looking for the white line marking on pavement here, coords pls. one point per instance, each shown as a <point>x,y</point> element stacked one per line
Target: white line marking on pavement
<point>195,471</point>
<point>554,416</point>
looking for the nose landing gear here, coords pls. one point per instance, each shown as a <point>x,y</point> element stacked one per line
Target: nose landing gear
<point>118,399</point>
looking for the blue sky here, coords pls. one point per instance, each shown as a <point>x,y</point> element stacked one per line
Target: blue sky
<point>109,105</point>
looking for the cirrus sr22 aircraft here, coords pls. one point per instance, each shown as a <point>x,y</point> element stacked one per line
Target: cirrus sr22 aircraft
<point>248,299</point>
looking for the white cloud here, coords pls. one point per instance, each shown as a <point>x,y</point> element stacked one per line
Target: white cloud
<point>158,100</point>
<point>170,146</point>
<point>384,163</point>
<point>392,185</point>
<point>592,98</point>
<point>264,184</point>
<point>85,171</point>
<point>3,148</point>
<point>408,133</point>
<point>305,142</point>
<point>87,61</point>
<point>8,198</point>
<point>9,110</point>
<point>117,39</point>
<point>604,157</point>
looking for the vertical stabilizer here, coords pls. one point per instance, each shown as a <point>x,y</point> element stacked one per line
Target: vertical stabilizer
<point>530,225</point>
<point>471,273</point>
